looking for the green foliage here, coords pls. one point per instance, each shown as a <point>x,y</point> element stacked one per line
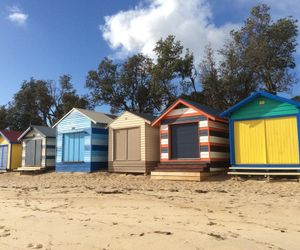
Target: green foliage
<point>123,87</point>
<point>65,98</point>
<point>267,49</point>
<point>40,102</point>
<point>141,84</point>
<point>258,56</point>
<point>4,123</point>
<point>173,73</point>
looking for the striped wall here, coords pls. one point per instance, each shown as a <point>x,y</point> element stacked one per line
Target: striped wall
<point>95,144</point>
<point>48,149</point>
<point>213,135</point>
<point>181,111</point>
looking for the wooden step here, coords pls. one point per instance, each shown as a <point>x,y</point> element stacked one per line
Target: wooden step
<point>180,167</point>
<point>265,168</point>
<point>31,169</point>
<point>265,173</point>
<point>179,176</point>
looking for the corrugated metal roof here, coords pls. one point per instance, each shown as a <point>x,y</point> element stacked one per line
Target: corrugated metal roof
<point>97,117</point>
<point>11,135</point>
<point>44,130</point>
<point>47,131</point>
<point>146,116</point>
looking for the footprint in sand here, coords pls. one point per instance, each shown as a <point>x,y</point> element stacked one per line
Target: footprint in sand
<point>5,232</point>
<point>35,246</point>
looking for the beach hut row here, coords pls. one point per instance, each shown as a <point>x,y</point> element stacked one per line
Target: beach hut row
<point>188,141</point>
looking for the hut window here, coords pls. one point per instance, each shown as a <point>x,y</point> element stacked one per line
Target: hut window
<point>73,147</point>
<point>261,102</point>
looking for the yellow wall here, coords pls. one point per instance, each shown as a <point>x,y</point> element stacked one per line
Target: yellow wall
<point>282,140</point>
<point>266,141</point>
<point>249,142</point>
<point>16,156</point>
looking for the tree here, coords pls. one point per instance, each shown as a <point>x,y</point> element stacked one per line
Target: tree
<point>3,117</point>
<point>237,80</point>
<point>212,85</point>
<point>173,69</point>
<point>123,87</point>
<point>141,84</point>
<point>65,98</point>
<point>267,48</point>
<point>24,110</point>
<point>41,102</point>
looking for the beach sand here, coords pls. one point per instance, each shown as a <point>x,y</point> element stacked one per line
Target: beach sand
<point>117,211</point>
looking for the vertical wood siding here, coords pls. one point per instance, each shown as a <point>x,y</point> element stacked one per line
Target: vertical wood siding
<point>266,141</point>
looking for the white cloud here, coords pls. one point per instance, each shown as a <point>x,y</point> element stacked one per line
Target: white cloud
<point>17,16</point>
<point>138,29</point>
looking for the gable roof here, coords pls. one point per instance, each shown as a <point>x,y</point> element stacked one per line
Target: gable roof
<point>44,130</point>
<point>148,118</point>
<point>210,112</point>
<point>95,117</point>
<point>11,135</point>
<point>255,95</point>
<point>204,108</point>
<point>145,116</point>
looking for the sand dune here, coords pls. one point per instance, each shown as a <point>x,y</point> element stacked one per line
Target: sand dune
<point>111,211</point>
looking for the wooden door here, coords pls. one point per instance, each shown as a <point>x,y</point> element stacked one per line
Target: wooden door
<point>249,142</point>
<point>282,140</point>
<point>30,153</point>
<point>3,156</point>
<point>120,144</point>
<point>133,144</point>
<point>38,153</point>
<point>33,153</point>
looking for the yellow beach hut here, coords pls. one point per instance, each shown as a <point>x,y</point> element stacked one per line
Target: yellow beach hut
<point>264,136</point>
<point>10,150</point>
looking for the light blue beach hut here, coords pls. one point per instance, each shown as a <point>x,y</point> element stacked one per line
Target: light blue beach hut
<point>82,141</point>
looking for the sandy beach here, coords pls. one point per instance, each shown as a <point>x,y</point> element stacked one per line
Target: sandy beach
<point>111,211</point>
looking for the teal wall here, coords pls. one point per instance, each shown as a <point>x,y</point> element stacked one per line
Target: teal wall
<point>270,108</point>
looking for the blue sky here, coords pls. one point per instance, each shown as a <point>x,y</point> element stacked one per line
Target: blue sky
<point>48,38</point>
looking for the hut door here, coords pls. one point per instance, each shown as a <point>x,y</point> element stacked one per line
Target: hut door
<point>3,157</point>
<point>249,142</point>
<point>38,153</point>
<point>30,153</point>
<point>282,140</point>
<point>266,141</point>
<point>133,144</point>
<point>33,153</point>
<point>184,141</point>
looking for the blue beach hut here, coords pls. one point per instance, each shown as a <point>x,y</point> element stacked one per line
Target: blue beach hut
<point>82,141</point>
